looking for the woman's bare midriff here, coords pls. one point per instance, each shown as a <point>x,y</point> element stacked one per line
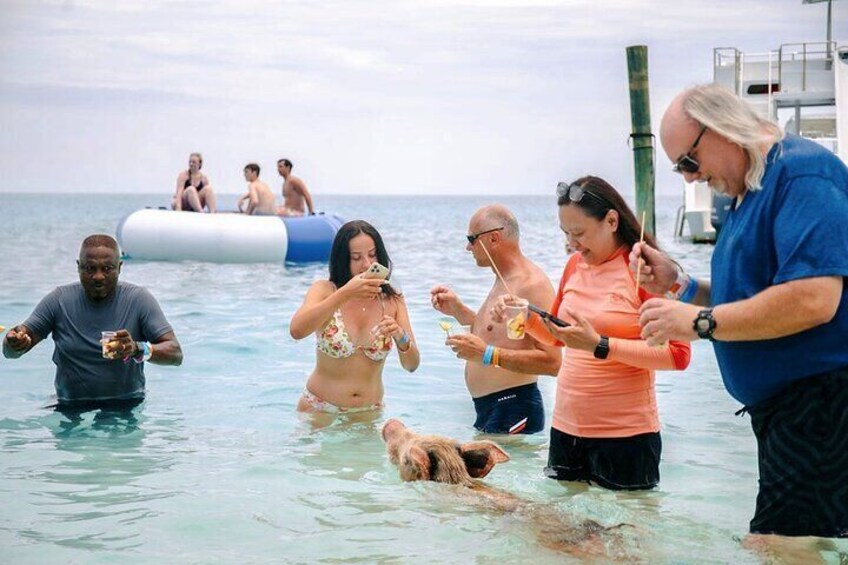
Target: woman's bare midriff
<point>352,382</point>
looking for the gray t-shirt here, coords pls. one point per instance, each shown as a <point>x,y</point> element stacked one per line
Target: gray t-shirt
<point>76,322</point>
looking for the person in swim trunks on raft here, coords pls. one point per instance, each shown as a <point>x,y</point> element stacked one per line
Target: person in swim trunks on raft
<point>506,397</point>
<point>356,321</point>
<point>258,200</point>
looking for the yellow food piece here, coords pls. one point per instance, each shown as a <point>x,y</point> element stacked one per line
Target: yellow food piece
<point>516,323</point>
<point>2,328</point>
<point>515,326</point>
<point>445,325</point>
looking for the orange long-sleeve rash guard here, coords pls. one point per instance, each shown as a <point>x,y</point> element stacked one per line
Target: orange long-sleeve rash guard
<point>612,397</point>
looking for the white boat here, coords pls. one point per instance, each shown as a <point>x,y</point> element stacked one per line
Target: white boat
<point>804,86</point>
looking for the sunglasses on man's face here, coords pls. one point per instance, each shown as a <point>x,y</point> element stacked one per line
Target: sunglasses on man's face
<point>575,193</point>
<point>474,236</point>
<point>686,163</point>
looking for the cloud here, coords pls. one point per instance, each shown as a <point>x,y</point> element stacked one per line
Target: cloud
<point>378,96</point>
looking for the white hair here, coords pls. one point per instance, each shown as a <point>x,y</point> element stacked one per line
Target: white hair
<point>721,111</point>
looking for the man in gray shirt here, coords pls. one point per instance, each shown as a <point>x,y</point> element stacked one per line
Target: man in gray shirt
<point>76,314</point>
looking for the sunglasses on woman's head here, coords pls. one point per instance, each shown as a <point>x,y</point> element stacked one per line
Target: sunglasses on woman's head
<point>686,163</point>
<point>575,193</point>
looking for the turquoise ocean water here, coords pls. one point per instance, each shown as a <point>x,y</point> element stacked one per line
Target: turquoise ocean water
<point>215,466</point>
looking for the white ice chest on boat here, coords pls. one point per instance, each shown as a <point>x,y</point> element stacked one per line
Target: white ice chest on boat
<point>166,235</point>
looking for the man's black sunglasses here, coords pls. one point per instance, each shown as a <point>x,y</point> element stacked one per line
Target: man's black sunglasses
<point>473,237</point>
<point>686,163</point>
<point>575,192</point>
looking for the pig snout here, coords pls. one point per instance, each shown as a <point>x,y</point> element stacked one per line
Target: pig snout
<point>392,428</point>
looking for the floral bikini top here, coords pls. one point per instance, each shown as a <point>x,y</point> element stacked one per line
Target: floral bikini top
<point>335,342</point>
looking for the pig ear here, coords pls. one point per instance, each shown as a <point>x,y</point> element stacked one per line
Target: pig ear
<point>481,456</point>
<point>418,462</point>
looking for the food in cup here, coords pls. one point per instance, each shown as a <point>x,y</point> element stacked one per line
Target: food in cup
<point>108,344</point>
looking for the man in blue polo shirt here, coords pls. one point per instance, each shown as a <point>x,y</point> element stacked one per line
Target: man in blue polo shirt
<point>89,373</point>
<point>776,307</point>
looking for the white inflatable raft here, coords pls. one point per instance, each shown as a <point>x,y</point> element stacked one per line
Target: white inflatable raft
<point>166,235</point>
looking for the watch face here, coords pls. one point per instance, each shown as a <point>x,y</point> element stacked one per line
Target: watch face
<point>703,324</point>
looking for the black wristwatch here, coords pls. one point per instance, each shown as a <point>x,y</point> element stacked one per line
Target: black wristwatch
<point>704,324</point>
<point>602,349</point>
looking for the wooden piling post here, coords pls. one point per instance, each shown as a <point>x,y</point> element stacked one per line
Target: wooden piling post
<point>642,141</point>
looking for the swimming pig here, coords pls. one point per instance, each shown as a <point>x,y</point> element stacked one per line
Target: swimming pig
<point>439,459</point>
<point>443,460</point>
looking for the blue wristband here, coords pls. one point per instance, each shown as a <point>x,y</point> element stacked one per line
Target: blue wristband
<point>691,290</point>
<point>403,340</point>
<point>487,355</point>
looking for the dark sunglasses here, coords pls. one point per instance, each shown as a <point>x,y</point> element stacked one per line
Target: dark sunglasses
<point>575,192</point>
<point>473,237</point>
<point>686,163</point>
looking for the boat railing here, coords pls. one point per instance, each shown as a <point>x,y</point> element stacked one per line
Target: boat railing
<point>794,70</point>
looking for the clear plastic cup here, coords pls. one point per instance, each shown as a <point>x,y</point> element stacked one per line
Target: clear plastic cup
<point>459,330</point>
<point>516,318</point>
<point>105,339</point>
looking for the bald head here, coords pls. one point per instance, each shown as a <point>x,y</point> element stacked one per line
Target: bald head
<point>676,122</point>
<point>495,216</point>
<point>99,240</point>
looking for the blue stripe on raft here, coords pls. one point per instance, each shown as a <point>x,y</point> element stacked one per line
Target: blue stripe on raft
<point>311,237</point>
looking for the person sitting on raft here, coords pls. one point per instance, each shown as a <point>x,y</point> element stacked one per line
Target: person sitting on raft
<point>259,198</point>
<point>194,191</point>
<point>356,321</point>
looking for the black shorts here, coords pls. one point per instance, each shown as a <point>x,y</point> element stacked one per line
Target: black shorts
<point>802,447</point>
<point>517,410</point>
<point>621,463</point>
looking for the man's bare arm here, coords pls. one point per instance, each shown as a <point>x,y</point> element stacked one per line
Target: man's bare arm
<point>541,359</point>
<point>300,186</point>
<point>167,350</point>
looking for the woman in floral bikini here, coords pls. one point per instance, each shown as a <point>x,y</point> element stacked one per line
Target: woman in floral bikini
<point>356,321</point>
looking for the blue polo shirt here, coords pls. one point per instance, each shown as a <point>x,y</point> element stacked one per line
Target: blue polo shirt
<point>794,227</point>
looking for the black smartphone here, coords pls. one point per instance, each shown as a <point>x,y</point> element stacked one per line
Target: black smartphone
<point>548,316</point>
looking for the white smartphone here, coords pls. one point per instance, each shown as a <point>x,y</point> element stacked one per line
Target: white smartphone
<point>376,271</point>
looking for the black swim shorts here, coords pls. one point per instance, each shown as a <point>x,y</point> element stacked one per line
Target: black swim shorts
<point>517,410</point>
<point>802,445</point>
<point>626,463</point>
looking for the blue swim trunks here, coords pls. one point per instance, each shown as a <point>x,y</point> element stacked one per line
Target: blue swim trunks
<point>517,410</point>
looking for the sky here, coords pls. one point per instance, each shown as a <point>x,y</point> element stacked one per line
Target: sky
<point>365,97</point>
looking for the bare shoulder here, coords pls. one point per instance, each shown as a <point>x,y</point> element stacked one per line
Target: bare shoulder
<point>182,176</point>
<point>324,285</point>
<point>321,289</point>
<point>536,284</point>
<point>396,304</point>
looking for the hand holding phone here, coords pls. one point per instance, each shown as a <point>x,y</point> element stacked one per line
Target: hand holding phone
<point>376,271</point>
<point>548,316</point>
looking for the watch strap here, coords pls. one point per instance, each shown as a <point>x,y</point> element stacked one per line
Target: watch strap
<point>704,324</point>
<point>602,349</point>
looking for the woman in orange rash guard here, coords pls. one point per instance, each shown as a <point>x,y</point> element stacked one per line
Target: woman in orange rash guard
<point>606,428</point>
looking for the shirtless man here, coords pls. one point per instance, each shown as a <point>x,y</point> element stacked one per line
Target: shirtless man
<point>259,198</point>
<point>296,197</point>
<point>194,191</point>
<point>506,396</point>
